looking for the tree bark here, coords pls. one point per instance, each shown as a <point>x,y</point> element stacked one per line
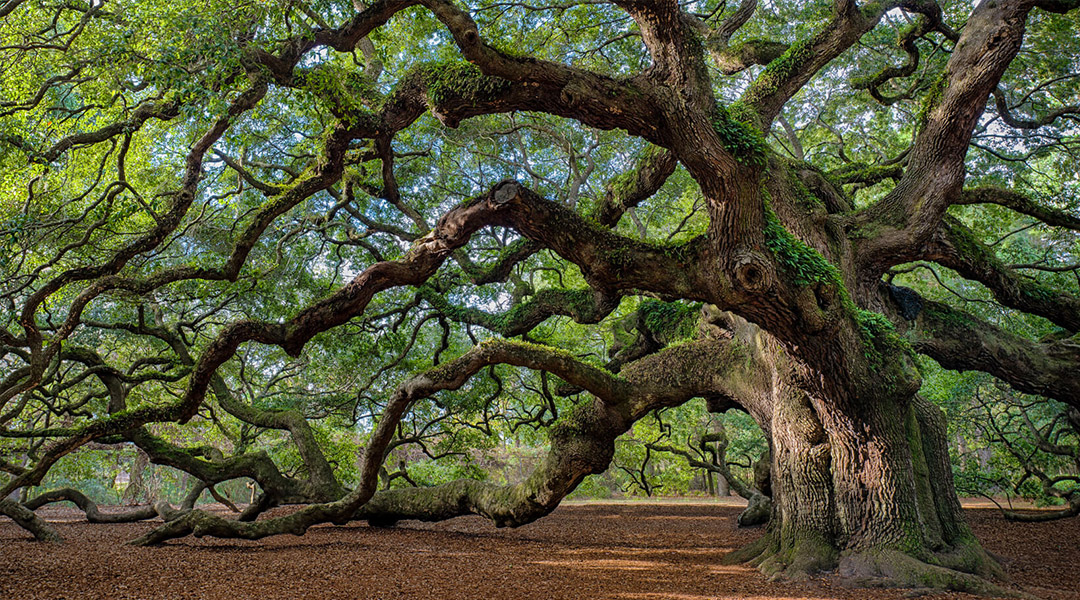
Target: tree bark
<point>866,488</point>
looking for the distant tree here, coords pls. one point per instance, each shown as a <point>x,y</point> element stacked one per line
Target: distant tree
<point>248,237</point>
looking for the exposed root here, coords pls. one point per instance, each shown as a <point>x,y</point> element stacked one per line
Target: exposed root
<point>891,568</point>
<point>967,555</point>
<point>747,553</point>
<point>808,556</point>
<point>965,568</point>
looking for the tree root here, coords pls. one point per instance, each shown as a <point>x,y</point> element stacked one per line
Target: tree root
<point>965,568</point>
<point>807,557</point>
<point>891,568</point>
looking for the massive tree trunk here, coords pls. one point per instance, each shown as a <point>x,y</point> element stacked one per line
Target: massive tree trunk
<point>868,490</point>
<point>860,478</point>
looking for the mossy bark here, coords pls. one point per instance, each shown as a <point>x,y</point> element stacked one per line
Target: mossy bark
<point>867,492</point>
<point>25,518</point>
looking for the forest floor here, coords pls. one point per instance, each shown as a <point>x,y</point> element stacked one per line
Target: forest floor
<point>627,551</point>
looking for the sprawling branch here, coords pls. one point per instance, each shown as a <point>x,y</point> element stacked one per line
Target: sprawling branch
<point>29,521</point>
<point>961,341</point>
<point>88,506</point>
<point>450,376</point>
<point>909,215</point>
<point>634,186</point>
<point>735,59</point>
<point>788,73</point>
<point>583,306</point>
<point>593,99</point>
<point>608,261</point>
<point>582,442</point>
<point>1020,203</point>
<point>957,248</point>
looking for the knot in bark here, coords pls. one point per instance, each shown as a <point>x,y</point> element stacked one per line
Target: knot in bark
<point>573,94</point>
<point>505,192</point>
<point>752,271</point>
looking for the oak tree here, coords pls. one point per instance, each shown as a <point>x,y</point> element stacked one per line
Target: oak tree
<point>248,214</point>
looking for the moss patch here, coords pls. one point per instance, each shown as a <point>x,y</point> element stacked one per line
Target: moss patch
<point>742,139</point>
<point>671,320</point>
<point>458,80</point>
<point>803,263</point>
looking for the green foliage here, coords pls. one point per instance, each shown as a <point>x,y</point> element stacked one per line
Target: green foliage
<point>672,320</point>
<point>804,264</point>
<point>345,93</point>
<point>742,139</point>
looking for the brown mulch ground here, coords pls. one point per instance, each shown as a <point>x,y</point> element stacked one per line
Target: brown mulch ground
<point>620,551</point>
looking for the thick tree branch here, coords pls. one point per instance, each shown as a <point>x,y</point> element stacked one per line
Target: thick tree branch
<point>957,248</point>
<point>785,75</point>
<point>1020,203</point>
<point>29,521</point>
<point>959,340</point>
<point>90,507</point>
<point>583,306</point>
<point>735,59</point>
<point>629,189</point>
<point>909,215</point>
<point>582,442</point>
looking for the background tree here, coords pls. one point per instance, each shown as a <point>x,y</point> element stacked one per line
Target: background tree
<point>236,228</point>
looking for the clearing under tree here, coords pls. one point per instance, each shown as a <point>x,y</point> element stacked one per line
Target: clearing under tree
<point>189,193</point>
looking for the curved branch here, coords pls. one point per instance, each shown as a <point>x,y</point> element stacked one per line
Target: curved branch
<point>634,186</point>
<point>90,507</point>
<point>737,19</point>
<point>910,214</point>
<point>958,340</point>
<point>1003,109</point>
<point>591,98</point>
<point>42,531</point>
<point>906,43</point>
<point>582,442</point>
<point>1020,203</point>
<point>785,75</point>
<point>583,306</point>
<point>1071,510</point>
<point>957,248</point>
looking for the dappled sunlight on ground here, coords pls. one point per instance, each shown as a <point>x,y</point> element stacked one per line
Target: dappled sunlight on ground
<point>689,597</point>
<point>625,565</point>
<point>630,551</point>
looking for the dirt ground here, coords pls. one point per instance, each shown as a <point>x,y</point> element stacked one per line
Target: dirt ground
<point>633,551</point>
